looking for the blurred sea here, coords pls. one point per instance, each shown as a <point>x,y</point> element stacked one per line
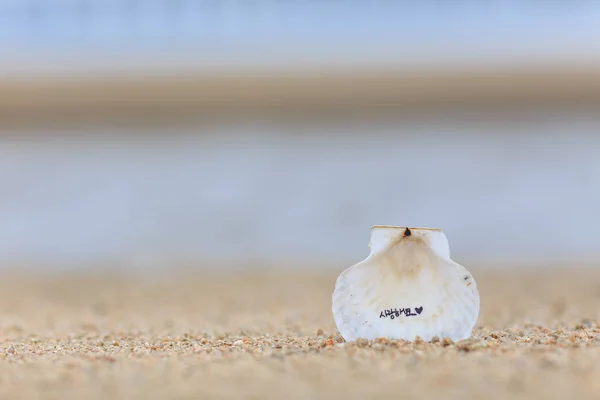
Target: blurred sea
<point>518,189</point>
<point>504,190</point>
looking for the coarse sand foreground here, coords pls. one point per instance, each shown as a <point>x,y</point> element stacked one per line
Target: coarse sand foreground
<point>273,336</point>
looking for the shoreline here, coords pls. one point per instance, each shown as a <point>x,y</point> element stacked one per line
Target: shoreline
<point>372,93</point>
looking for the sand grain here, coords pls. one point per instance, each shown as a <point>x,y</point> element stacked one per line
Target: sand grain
<point>273,336</point>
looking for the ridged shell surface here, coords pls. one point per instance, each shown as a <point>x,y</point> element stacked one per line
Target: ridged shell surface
<point>407,287</point>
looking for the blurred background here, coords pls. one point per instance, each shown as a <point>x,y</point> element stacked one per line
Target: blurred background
<point>218,134</point>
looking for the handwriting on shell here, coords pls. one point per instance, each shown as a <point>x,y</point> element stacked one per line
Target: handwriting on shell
<point>394,312</point>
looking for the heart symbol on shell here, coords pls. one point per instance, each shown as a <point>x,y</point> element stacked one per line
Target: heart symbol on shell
<point>419,310</point>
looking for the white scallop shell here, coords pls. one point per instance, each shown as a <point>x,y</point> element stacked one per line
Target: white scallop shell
<point>412,272</point>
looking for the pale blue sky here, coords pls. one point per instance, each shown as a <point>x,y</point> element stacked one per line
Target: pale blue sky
<point>245,29</point>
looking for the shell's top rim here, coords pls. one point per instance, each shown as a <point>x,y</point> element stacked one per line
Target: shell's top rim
<point>404,227</point>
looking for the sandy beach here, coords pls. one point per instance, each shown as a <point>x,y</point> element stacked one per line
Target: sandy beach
<point>191,335</point>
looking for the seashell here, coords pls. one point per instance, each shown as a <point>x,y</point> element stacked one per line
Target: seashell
<point>408,286</point>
